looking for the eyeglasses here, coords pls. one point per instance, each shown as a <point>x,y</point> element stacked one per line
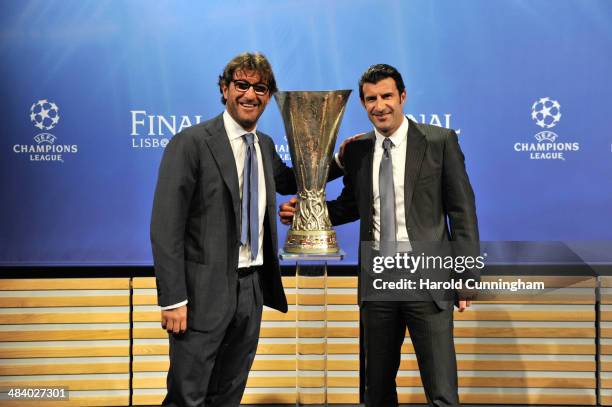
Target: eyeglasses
<point>243,86</point>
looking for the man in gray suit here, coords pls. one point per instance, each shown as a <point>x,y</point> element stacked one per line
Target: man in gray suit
<point>213,234</point>
<point>405,182</point>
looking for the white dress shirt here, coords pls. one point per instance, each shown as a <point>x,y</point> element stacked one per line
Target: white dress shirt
<point>398,158</point>
<point>239,147</point>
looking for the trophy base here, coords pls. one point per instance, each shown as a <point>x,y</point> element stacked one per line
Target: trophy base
<point>311,241</point>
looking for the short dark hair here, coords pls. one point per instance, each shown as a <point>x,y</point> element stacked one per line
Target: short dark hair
<point>248,61</point>
<point>377,73</point>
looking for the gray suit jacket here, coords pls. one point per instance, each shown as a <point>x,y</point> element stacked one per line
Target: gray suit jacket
<point>438,198</point>
<point>195,223</point>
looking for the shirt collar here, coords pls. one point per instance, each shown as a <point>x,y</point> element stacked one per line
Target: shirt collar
<point>397,138</point>
<point>233,129</point>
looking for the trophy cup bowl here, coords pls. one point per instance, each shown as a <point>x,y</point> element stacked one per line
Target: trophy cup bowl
<point>312,120</point>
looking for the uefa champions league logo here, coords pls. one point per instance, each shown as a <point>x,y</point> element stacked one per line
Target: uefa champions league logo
<point>546,112</point>
<point>44,114</point>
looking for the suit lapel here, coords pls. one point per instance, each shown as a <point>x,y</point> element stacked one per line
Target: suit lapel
<point>367,179</point>
<point>266,156</point>
<point>416,144</point>
<point>224,157</point>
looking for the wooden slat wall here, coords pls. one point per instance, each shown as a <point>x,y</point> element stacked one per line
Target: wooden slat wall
<point>605,348</point>
<point>150,345</point>
<point>311,343</point>
<point>524,350</point>
<point>342,330</point>
<point>272,379</point>
<point>343,342</point>
<point>528,350</point>
<point>71,333</point>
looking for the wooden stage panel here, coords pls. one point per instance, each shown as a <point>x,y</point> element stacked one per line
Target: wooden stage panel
<point>522,350</point>
<point>72,333</point>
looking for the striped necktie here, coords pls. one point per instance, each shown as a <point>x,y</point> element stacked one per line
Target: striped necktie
<point>249,231</point>
<point>387,197</point>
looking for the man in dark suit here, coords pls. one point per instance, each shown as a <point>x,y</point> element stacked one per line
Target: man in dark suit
<point>213,234</point>
<point>405,182</point>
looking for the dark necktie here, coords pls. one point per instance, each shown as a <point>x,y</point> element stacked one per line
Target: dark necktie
<point>249,231</point>
<point>387,195</point>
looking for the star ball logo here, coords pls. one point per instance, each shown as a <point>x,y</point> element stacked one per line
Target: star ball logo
<point>546,113</point>
<point>44,115</point>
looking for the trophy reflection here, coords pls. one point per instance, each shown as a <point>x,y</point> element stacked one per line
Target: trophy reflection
<point>312,120</point>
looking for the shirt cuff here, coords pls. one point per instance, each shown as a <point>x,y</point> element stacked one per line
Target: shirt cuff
<point>337,159</point>
<point>168,307</point>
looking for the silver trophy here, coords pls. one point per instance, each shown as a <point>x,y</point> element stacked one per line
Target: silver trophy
<point>312,120</point>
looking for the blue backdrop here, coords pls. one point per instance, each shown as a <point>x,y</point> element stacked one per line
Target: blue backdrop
<point>92,91</point>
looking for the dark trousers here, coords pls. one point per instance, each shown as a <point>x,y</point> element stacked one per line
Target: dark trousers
<point>431,332</point>
<point>210,368</point>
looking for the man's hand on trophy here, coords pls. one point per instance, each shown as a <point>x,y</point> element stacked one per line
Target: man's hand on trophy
<point>345,143</point>
<point>286,211</point>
